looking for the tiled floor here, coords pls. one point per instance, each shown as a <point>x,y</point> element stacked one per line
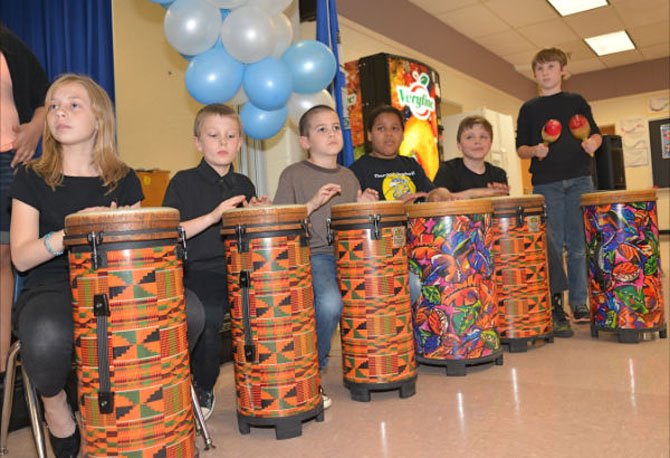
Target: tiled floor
<point>576,397</point>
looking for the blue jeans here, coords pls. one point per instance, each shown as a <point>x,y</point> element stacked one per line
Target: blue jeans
<point>327,302</point>
<point>565,229</point>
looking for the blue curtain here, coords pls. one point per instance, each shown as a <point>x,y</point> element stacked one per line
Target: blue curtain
<point>67,36</point>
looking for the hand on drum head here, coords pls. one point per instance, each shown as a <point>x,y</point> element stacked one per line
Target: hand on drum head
<point>440,195</point>
<point>323,195</point>
<point>112,206</point>
<point>262,201</point>
<point>228,204</point>
<point>410,197</point>
<point>369,195</point>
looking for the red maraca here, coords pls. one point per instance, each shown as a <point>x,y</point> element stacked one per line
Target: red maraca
<point>551,131</point>
<point>579,127</point>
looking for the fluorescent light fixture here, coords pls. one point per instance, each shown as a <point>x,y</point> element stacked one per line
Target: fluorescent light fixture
<point>566,7</point>
<point>610,43</point>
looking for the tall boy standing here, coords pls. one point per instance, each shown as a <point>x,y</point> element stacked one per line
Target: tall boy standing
<point>561,172</point>
<point>320,182</point>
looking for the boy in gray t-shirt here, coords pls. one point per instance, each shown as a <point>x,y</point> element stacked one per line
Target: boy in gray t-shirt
<point>320,182</point>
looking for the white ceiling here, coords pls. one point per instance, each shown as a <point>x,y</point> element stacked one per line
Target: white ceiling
<point>516,29</point>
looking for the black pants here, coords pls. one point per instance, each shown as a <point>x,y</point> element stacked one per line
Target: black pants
<point>42,320</point>
<point>211,289</point>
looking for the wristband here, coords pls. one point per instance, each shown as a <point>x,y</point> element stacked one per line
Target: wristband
<point>48,246</point>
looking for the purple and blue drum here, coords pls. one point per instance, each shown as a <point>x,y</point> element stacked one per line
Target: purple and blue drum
<point>451,246</point>
<point>623,256</point>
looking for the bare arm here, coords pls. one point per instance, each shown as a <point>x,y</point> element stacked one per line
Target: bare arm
<point>539,151</point>
<point>27,136</point>
<point>591,144</point>
<point>195,226</point>
<point>27,248</point>
<point>323,195</point>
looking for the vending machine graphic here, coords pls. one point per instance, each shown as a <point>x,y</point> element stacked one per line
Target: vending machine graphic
<point>409,85</point>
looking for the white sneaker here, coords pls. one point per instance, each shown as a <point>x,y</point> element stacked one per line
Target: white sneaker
<point>327,402</point>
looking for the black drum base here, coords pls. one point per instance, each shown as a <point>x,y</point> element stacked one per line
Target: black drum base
<point>520,345</point>
<point>361,391</point>
<point>630,335</point>
<point>285,427</point>
<point>457,367</point>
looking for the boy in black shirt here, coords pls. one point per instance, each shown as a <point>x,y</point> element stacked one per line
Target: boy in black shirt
<point>201,195</point>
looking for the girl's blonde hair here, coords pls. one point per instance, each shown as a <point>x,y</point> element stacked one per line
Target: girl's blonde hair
<point>105,155</point>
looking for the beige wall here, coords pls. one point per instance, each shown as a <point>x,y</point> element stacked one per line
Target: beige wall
<point>612,111</point>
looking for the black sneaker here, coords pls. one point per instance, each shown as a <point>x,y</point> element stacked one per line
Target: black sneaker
<point>561,324</point>
<point>207,401</point>
<point>581,314</point>
<point>66,447</point>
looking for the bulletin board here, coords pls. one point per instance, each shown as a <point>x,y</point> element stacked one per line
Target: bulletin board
<point>659,142</point>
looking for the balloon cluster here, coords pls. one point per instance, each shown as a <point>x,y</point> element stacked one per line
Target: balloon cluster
<point>241,53</point>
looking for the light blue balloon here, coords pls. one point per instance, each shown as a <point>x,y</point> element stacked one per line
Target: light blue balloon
<point>268,83</point>
<point>312,66</point>
<point>213,76</point>
<point>262,124</point>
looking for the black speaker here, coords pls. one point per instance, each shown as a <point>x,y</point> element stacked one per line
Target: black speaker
<point>609,172</point>
<point>307,9</point>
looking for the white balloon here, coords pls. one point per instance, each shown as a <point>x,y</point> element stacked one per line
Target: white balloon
<point>248,34</point>
<point>238,99</point>
<point>271,7</point>
<point>192,26</point>
<point>283,34</point>
<point>229,4</point>
<point>298,104</point>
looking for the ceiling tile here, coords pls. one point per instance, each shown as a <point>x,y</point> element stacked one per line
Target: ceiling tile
<point>521,12</point>
<point>595,22</point>
<point>508,42</point>
<point>657,51</point>
<point>649,35</point>
<point>622,58</point>
<point>436,7</point>
<point>577,50</point>
<point>521,59</point>
<point>548,33</point>
<point>585,65</point>
<point>474,21</point>
<point>634,13</point>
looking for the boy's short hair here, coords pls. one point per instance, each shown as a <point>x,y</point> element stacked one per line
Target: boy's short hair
<point>550,55</point>
<point>381,109</point>
<point>218,109</point>
<point>470,122</point>
<point>303,124</point>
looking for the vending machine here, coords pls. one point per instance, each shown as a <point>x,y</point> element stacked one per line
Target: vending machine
<point>409,85</point>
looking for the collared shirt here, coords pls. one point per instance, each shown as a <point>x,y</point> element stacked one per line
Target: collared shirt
<point>196,192</point>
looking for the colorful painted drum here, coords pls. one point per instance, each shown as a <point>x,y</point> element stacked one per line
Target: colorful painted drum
<point>451,249</point>
<point>521,271</point>
<point>273,323</point>
<point>130,333</point>
<point>622,249</point>
<point>376,325</point>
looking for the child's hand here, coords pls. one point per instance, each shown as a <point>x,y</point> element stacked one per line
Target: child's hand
<point>262,201</point>
<point>228,204</point>
<point>541,151</point>
<point>440,195</point>
<point>412,196</point>
<point>112,206</point>
<point>369,195</point>
<point>498,189</point>
<point>323,195</point>
<point>590,146</point>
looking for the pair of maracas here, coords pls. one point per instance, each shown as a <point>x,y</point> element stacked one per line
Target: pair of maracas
<point>578,125</point>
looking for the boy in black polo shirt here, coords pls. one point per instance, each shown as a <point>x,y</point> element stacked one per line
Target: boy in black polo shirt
<point>202,194</point>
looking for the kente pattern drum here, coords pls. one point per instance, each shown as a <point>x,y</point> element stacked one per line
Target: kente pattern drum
<point>521,271</point>
<point>622,248</point>
<point>376,325</point>
<point>451,249</point>
<point>273,322</point>
<point>130,333</point>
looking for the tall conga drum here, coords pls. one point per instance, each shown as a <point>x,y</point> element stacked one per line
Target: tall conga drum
<point>451,247</point>
<point>273,322</point>
<point>623,257</point>
<point>130,333</point>
<point>376,324</point>
<point>521,271</point>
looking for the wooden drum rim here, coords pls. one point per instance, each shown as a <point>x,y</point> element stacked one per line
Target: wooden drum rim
<point>449,208</point>
<point>618,197</point>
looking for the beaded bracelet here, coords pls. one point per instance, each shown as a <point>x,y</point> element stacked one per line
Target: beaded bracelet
<point>48,246</point>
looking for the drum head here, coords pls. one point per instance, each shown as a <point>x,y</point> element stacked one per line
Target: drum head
<point>533,202</point>
<point>618,197</point>
<point>362,211</point>
<point>263,218</point>
<point>450,208</point>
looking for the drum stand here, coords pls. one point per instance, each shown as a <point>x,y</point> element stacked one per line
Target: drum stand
<point>200,426</point>
<point>361,391</point>
<point>520,345</point>
<point>631,335</point>
<point>285,427</point>
<point>456,367</point>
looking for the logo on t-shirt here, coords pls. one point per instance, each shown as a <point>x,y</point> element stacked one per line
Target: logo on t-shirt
<point>396,185</point>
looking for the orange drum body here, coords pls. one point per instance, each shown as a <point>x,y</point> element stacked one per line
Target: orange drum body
<point>451,249</point>
<point>376,325</point>
<point>623,256</point>
<point>521,271</point>
<point>130,333</point>
<point>272,312</point>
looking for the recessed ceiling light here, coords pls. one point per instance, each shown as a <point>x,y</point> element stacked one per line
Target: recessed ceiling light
<point>610,43</point>
<point>566,7</point>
